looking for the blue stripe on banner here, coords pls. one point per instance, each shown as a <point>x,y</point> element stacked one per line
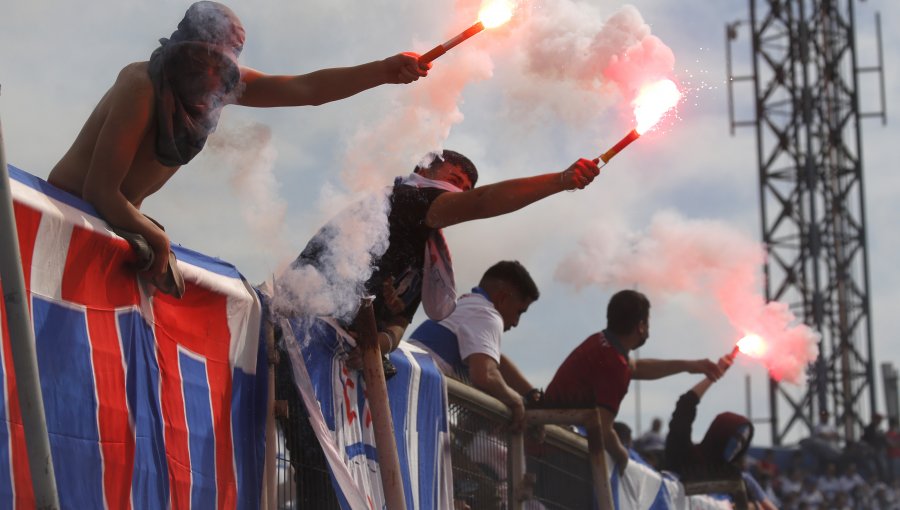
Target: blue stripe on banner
<point>70,403</point>
<point>6,468</point>
<point>356,449</point>
<point>150,479</point>
<point>248,421</point>
<point>201,436</point>
<point>50,190</point>
<point>198,259</point>
<point>320,345</point>
<point>431,405</point>
<point>661,502</point>
<point>398,388</point>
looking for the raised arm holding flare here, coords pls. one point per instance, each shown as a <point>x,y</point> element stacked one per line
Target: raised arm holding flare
<point>158,114</point>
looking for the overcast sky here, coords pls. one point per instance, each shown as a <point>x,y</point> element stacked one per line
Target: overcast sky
<point>271,177</point>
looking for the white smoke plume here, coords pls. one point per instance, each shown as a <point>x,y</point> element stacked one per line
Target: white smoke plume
<point>562,44</point>
<point>701,258</point>
<point>346,247</point>
<point>246,150</point>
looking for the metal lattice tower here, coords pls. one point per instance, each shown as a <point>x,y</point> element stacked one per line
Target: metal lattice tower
<point>807,121</point>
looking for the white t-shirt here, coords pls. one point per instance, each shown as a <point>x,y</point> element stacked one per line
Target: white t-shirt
<point>477,327</point>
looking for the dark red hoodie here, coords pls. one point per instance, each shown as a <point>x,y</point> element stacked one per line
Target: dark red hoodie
<point>704,461</point>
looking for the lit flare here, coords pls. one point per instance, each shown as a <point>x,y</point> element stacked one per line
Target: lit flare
<point>753,345</point>
<point>493,13</point>
<point>653,102</point>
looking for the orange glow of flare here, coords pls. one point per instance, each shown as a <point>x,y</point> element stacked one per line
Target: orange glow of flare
<point>494,13</point>
<point>753,346</point>
<point>652,102</point>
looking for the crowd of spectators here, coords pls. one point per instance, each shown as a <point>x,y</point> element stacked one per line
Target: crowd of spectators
<point>820,473</point>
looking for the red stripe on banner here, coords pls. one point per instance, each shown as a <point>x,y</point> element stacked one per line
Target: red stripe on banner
<point>97,275</point>
<point>28,221</point>
<point>199,323</point>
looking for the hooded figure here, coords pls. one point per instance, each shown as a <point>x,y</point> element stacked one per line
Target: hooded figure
<point>717,456</point>
<point>195,73</point>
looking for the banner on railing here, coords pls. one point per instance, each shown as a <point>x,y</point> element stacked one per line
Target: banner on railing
<point>336,400</point>
<point>151,402</point>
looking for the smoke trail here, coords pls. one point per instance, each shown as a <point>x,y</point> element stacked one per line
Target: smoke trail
<point>246,149</point>
<point>345,249</point>
<point>570,43</point>
<point>701,258</point>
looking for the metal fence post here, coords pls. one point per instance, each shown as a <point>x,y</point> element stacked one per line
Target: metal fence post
<point>21,339</point>
<point>382,421</point>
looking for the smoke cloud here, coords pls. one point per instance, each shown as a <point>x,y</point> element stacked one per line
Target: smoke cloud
<point>565,45</point>
<point>702,258</point>
<point>347,246</point>
<point>245,148</point>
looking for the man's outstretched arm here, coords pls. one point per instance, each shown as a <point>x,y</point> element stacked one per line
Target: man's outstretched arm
<point>659,368</point>
<point>326,85</point>
<point>507,196</point>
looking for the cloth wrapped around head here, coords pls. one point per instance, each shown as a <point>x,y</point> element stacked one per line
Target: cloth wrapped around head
<point>195,73</point>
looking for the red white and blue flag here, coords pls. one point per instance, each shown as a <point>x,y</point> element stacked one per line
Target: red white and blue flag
<point>151,402</point>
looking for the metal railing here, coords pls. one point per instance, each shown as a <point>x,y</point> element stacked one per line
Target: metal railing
<point>492,470</point>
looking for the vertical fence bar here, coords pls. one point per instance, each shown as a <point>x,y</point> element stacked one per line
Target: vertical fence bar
<point>382,421</point>
<point>21,339</point>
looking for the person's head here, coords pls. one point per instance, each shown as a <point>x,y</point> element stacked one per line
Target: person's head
<point>831,470</point>
<point>449,166</point>
<point>727,439</point>
<point>510,289</point>
<point>623,431</point>
<point>824,416</point>
<point>656,426</point>
<point>628,316</point>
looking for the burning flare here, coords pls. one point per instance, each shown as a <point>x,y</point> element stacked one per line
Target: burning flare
<point>494,13</point>
<point>652,102</point>
<point>753,346</point>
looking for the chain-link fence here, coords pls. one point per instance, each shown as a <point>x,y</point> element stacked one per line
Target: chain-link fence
<point>557,470</point>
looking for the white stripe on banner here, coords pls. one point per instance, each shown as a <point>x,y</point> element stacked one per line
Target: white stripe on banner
<point>412,424</point>
<point>51,247</point>
<point>354,497</point>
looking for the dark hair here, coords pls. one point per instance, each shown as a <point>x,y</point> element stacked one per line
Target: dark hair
<point>626,309</point>
<point>515,274</point>
<point>454,158</point>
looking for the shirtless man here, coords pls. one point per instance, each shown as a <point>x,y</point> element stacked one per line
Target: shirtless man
<point>158,114</point>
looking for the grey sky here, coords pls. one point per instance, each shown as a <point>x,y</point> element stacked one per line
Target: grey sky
<point>57,58</point>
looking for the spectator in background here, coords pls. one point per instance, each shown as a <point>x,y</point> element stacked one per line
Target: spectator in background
<point>829,483</point>
<point>767,465</point>
<point>810,495</point>
<point>792,483</point>
<point>850,479</point>
<point>825,442</point>
<point>892,437</point>
<point>652,444</point>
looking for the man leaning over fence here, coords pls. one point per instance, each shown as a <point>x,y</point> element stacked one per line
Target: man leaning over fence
<point>597,373</point>
<point>467,343</point>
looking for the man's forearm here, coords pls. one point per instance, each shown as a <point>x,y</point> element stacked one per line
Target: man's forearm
<point>327,85</point>
<point>658,368</point>
<point>514,377</point>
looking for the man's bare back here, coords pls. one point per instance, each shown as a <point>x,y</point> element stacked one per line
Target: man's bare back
<point>144,174</point>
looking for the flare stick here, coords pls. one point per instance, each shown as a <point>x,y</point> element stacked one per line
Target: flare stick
<point>440,49</point>
<point>624,142</point>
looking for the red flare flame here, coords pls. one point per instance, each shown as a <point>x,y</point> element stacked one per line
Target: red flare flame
<point>494,13</point>
<point>653,102</point>
<point>753,345</point>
